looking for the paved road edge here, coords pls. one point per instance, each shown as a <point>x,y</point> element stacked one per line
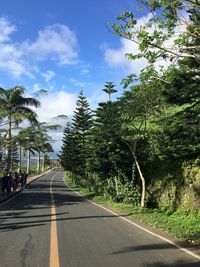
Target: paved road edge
<point>185,250</point>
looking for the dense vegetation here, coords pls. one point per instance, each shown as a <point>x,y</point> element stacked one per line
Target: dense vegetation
<point>143,148</point>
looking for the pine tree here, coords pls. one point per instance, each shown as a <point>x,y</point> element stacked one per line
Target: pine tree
<point>81,124</point>
<point>75,149</point>
<point>106,139</point>
<point>68,154</point>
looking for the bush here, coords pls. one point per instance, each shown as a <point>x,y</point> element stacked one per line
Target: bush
<point>121,189</point>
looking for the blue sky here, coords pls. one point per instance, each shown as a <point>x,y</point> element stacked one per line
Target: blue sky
<point>63,46</point>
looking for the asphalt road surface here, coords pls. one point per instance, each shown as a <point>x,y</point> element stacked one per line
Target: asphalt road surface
<point>49,225</point>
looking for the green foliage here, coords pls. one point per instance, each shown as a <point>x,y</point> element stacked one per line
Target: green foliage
<point>156,121</point>
<point>14,109</point>
<point>126,190</point>
<point>75,150</point>
<point>109,89</point>
<point>179,82</point>
<point>164,19</point>
<point>105,139</point>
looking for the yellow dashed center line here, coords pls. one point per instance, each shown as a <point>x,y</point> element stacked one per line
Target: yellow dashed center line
<point>54,252</point>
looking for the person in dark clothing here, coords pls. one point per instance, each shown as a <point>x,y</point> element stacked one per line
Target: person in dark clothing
<point>4,180</point>
<point>9,182</point>
<point>15,181</point>
<point>23,181</point>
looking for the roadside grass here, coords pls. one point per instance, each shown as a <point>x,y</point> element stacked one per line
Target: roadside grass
<point>179,224</point>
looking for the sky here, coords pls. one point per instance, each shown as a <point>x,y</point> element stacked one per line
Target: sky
<point>63,46</point>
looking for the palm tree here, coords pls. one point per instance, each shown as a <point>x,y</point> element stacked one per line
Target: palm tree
<point>26,142</point>
<point>36,138</point>
<point>47,147</point>
<point>109,89</point>
<point>43,140</point>
<point>15,108</point>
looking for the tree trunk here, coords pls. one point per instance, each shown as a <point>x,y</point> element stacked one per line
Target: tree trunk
<point>140,173</point>
<point>142,179</point>
<point>8,146</point>
<point>43,163</point>
<point>38,163</point>
<point>11,156</point>
<point>20,159</point>
<point>28,161</point>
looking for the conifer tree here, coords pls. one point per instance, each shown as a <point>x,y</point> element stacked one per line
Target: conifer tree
<point>75,149</point>
<point>67,155</point>
<point>106,138</point>
<point>81,124</point>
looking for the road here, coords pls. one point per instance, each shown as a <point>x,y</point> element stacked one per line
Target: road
<point>49,225</point>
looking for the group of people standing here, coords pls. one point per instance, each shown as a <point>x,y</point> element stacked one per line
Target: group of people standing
<point>13,182</point>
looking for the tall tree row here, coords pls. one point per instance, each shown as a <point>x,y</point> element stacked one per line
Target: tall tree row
<point>155,124</point>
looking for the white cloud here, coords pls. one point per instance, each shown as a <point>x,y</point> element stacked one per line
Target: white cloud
<point>56,42</point>
<point>5,29</point>
<point>11,60</point>
<point>57,141</point>
<point>54,104</point>
<point>115,58</point>
<point>36,87</point>
<point>85,71</point>
<point>77,83</point>
<point>48,75</point>
<point>11,56</point>
<point>96,97</point>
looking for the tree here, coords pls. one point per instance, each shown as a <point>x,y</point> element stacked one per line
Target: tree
<point>35,138</point>
<point>182,89</point>
<point>109,89</point>
<point>81,124</point>
<point>42,140</point>
<point>139,108</point>
<point>105,141</point>
<point>75,148</point>
<point>69,150</point>
<point>14,107</point>
<point>166,23</point>
<point>175,23</point>
<point>42,144</point>
<point>25,140</point>
<point>47,147</point>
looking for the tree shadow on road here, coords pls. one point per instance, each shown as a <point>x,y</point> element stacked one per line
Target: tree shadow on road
<point>175,264</point>
<point>32,207</point>
<point>162,246</point>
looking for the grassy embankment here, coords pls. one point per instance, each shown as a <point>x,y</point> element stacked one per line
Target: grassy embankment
<point>179,224</point>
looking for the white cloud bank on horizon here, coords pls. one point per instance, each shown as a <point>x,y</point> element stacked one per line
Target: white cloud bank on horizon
<point>54,104</point>
<point>55,42</point>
